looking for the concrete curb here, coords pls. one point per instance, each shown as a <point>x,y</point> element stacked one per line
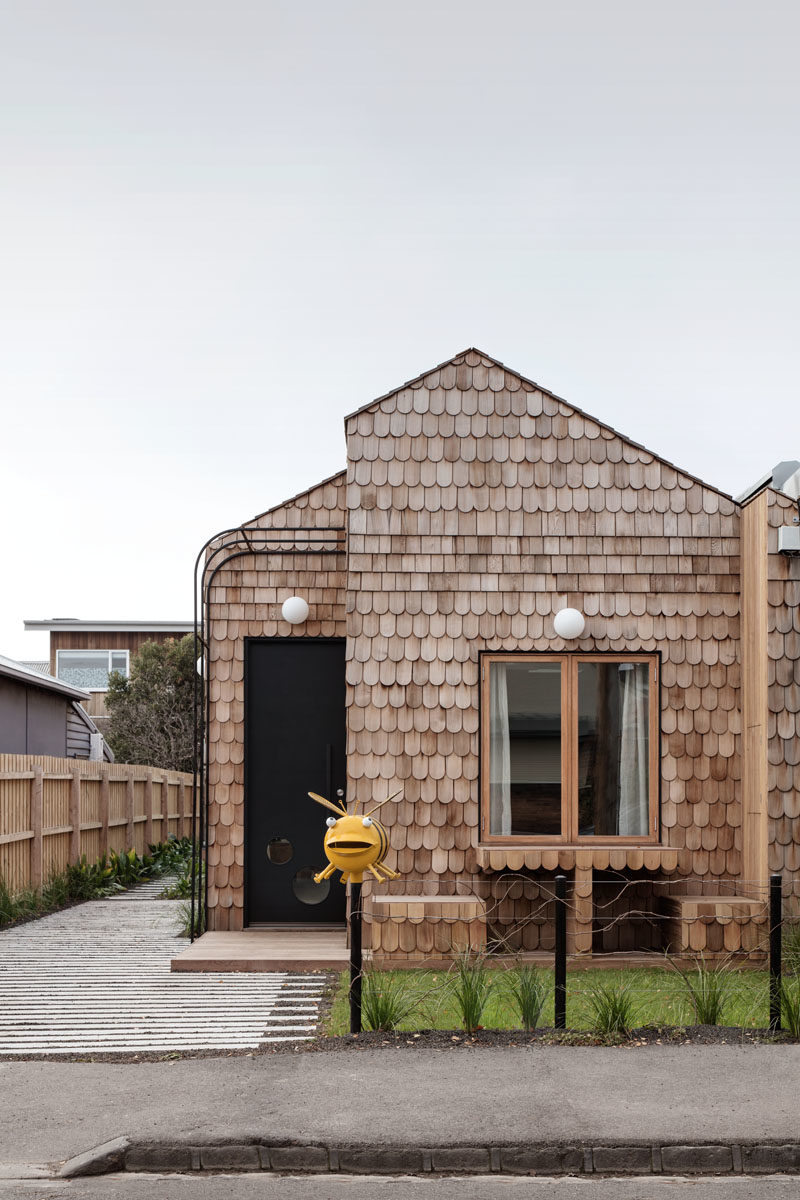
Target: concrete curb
<point>572,1158</point>
<point>110,1156</point>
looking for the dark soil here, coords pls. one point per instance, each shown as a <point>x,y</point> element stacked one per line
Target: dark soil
<point>456,1039</point>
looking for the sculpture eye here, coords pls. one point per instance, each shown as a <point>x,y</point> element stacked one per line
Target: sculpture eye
<point>331,821</point>
<point>366,821</point>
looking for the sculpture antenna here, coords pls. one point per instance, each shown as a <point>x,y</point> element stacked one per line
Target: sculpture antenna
<point>342,812</point>
<point>393,796</point>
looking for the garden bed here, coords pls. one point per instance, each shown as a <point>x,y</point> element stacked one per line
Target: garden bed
<point>659,1007</point>
<point>455,1039</point>
<point>440,1040</point>
<point>82,881</point>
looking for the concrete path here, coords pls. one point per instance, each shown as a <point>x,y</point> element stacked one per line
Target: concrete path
<point>96,978</point>
<point>152,889</point>
<point>395,1097</point>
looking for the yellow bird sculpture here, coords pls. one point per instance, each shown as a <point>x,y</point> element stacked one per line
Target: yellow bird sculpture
<point>355,844</point>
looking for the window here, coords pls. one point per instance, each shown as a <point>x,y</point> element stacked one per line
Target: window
<point>569,747</point>
<point>90,668</point>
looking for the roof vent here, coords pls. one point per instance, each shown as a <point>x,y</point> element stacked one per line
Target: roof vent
<point>785,477</point>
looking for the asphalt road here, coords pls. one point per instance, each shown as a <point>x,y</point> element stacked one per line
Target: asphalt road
<point>51,1111</point>
<point>248,1187</point>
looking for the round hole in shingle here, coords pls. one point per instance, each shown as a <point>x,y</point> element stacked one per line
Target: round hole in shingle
<point>279,850</point>
<point>308,892</point>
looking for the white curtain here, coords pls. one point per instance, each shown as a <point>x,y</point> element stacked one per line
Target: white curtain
<point>499,752</point>
<point>634,809</point>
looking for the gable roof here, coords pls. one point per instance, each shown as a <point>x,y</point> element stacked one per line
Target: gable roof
<point>12,669</point>
<point>61,624</point>
<point>340,475</point>
<point>82,715</point>
<point>458,359</point>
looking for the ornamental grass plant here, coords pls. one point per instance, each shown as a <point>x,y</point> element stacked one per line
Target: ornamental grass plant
<point>472,987</point>
<point>613,1008</point>
<point>790,1006</point>
<point>659,996</point>
<point>529,988</point>
<point>385,1000</point>
<point>708,990</point>
<point>791,945</point>
<point>185,928</point>
<point>18,906</point>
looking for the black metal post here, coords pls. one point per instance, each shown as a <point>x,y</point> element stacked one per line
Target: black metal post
<point>194,852</point>
<point>196,702</point>
<point>775,935</point>
<point>355,958</point>
<point>561,953</point>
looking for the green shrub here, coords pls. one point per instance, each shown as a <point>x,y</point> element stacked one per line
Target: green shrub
<point>7,904</point>
<point>88,881</point>
<point>181,889</point>
<point>612,1008</point>
<point>174,856</point>
<point>18,906</point>
<point>128,869</point>
<point>151,711</point>
<point>529,989</point>
<point>56,892</point>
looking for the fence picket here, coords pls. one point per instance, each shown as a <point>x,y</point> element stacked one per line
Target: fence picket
<point>37,794</point>
<point>28,809</point>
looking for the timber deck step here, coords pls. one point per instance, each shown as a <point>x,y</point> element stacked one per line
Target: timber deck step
<point>266,950</point>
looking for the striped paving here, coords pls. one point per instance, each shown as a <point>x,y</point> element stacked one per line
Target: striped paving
<point>151,889</point>
<point>96,978</point>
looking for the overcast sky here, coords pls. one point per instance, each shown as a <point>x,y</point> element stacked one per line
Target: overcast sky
<point>225,225</point>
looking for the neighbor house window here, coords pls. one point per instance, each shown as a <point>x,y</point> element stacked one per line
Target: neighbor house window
<point>90,668</point>
<point>569,747</point>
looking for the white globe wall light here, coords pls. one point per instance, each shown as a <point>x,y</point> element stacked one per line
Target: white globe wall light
<point>294,610</point>
<point>569,624</point>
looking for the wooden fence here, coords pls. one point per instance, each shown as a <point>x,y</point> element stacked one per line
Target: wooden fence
<point>55,810</point>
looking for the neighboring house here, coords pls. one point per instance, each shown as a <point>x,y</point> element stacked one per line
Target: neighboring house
<point>43,715</point>
<point>652,755</point>
<point>41,667</point>
<point>83,653</point>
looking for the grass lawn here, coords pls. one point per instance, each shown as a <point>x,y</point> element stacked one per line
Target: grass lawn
<point>659,996</point>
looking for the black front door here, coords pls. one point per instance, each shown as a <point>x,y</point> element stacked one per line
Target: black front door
<point>294,744</point>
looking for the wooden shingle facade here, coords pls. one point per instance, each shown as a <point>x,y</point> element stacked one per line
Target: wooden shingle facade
<point>245,599</point>
<point>474,506</point>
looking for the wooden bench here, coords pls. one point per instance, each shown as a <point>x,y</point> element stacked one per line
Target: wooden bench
<point>408,930</point>
<point>716,925</point>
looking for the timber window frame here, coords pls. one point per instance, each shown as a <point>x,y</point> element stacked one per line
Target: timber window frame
<point>569,734</point>
<point>97,653</point>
